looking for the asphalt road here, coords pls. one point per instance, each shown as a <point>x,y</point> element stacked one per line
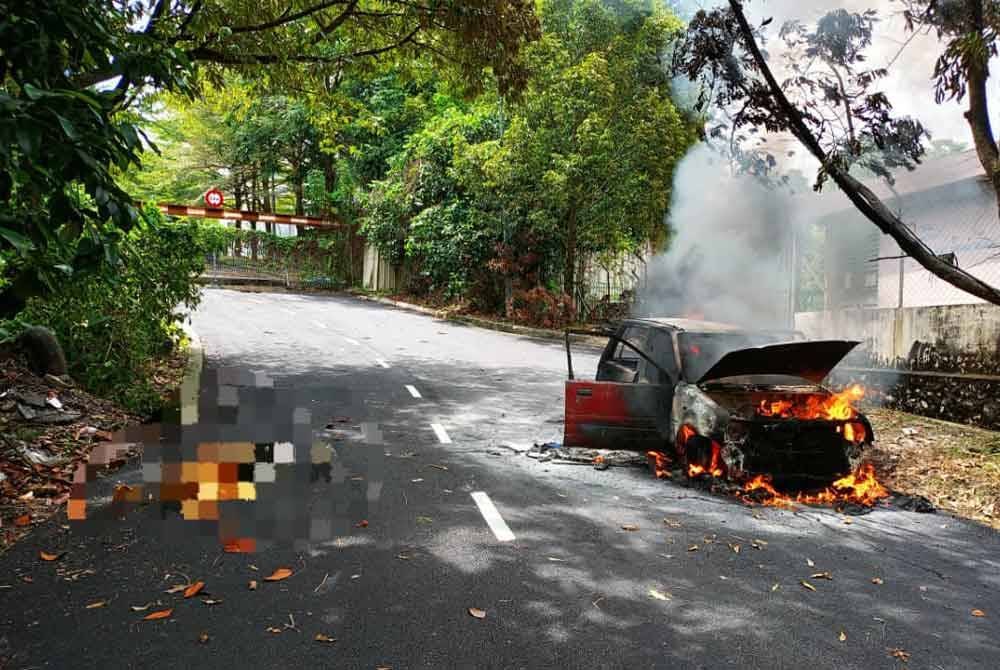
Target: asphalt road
<point>573,589</point>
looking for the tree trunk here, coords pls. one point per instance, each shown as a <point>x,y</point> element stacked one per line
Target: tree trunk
<point>864,199</point>
<point>978,114</point>
<point>300,188</point>
<point>569,257</point>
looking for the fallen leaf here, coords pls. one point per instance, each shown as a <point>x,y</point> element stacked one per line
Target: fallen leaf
<point>653,593</point>
<point>274,629</point>
<point>362,524</point>
<point>23,520</point>
<point>193,590</point>
<point>320,637</point>
<point>900,654</point>
<point>95,605</point>
<point>417,480</point>
<point>758,544</point>
<point>477,613</point>
<point>278,575</point>
<point>556,560</point>
<point>161,614</point>
<point>209,601</point>
<point>424,519</point>
<point>203,638</point>
<point>821,575</point>
<point>140,608</point>
<point>693,547</point>
<point>27,496</point>
<point>403,557</point>
<point>842,637</point>
<point>810,563</point>
<point>978,613</point>
<point>877,580</point>
<point>46,556</point>
<point>630,526</point>
<point>807,585</point>
<point>439,467</point>
<point>672,523</point>
<point>253,567</point>
<point>735,548</point>
<point>177,588</point>
<point>776,586</point>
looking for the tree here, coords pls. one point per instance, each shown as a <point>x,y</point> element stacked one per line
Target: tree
<point>69,70</point>
<point>829,103</point>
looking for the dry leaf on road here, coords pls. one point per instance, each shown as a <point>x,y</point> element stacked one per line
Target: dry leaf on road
<point>653,593</point>
<point>209,601</point>
<point>901,654</point>
<point>203,638</point>
<point>278,575</point>
<point>810,563</point>
<point>821,575</point>
<point>252,585</point>
<point>877,580</point>
<point>693,547</point>
<point>630,526</point>
<point>978,613</point>
<point>177,588</point>
<point>776,586</point>
<point>141,608</point>
<point>46,556</point>
<point>362,524</point>
<point>274,629</point>
<point>95,605</point>
<point>842,637</point>
<point>477,613</point>
<point>808,585</point>
<point>23,520</point>
<point>161,614</point>
<point>735,548</point>
<point>320,637</point>
<point>193,590</point>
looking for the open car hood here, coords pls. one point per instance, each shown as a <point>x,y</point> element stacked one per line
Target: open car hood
<point>810,360</point>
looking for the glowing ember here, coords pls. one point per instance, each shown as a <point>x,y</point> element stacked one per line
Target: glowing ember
<point>861,488</point>
<point>660,464</point>
<point>835,407</point>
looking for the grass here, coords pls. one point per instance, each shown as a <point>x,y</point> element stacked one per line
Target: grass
<point>956,467</point>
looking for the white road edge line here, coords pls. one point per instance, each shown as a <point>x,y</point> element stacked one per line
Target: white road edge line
<point>413,391</point>
<point>319,324</point>
<point>492,516</point>
<point>350,341</point>
<point>441,434</point>
<point>381,361</point>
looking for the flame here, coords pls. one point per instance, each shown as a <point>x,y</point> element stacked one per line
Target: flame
<point>715,466</point>
<point>835,407</point>
<point>659,463</point>
<point>860,487</point>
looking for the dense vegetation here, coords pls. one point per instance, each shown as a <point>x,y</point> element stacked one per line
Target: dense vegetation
<point>489,151</point>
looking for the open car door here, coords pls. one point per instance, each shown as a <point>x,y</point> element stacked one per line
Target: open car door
<point>628,405</point>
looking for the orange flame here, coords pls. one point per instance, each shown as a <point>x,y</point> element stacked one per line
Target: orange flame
<point>715,466</point>
<point>860,487</point>
<point>659,463</point>
<point>835,407</point>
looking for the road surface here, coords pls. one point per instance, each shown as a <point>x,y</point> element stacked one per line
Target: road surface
<point>428,421</point>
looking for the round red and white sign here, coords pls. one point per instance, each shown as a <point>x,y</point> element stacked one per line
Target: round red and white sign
<point>214,198</point>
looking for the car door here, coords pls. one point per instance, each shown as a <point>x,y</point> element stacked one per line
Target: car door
<point>623,406</point>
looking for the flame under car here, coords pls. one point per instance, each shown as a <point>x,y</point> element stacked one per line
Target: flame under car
<point>720,400</point>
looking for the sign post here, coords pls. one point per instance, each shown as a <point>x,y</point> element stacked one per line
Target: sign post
<point>213,198</point>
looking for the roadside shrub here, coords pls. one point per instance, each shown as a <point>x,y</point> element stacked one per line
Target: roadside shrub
<point>542,308</point>
<point>115,323</point>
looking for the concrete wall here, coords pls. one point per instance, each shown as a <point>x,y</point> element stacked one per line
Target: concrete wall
<point>890,333</point>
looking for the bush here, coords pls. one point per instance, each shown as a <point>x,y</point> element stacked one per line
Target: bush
<point>542,308</point>
<point>115,323</point>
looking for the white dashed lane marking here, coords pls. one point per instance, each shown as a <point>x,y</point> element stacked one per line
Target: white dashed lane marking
<point>350,341</point>
<point>492,516</point>
<point>381,361</point>
<point>442,435</point>
<point>413,391</point>
<point>319,324</point>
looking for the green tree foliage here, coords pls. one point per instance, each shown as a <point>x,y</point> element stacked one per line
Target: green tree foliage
<point>581,164</point>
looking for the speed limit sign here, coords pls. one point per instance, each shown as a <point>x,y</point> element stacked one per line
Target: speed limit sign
<point>214,198</point>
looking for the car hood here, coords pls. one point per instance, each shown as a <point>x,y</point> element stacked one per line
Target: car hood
<point>811,360</point>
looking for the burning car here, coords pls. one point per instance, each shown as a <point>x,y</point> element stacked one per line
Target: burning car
<point>723,401</point>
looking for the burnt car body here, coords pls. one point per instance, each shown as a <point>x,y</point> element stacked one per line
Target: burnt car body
<point>708,394</point>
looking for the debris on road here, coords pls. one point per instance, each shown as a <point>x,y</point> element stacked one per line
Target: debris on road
<point>160,614</point>
<point>278,575</point>
<point>477,613</point>
<point>555,453</point>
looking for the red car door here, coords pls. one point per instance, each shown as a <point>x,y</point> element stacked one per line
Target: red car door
<point>625,406</point>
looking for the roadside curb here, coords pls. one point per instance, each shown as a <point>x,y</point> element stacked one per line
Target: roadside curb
<point>478,322</point>
<point>192,376</point>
